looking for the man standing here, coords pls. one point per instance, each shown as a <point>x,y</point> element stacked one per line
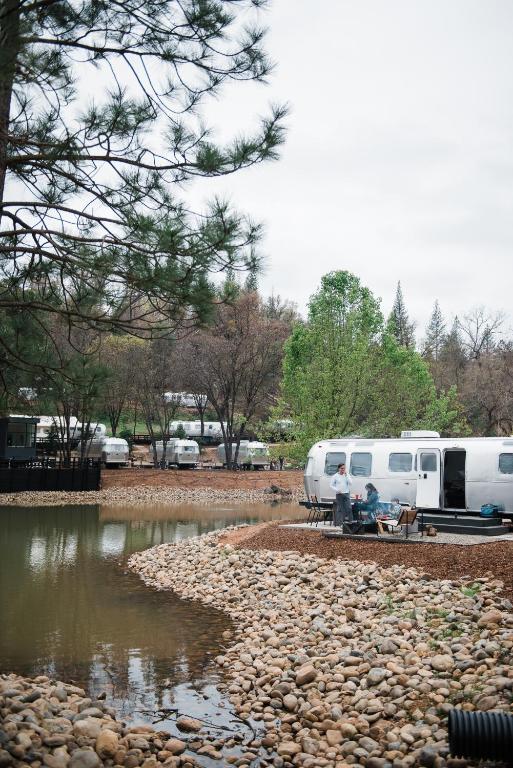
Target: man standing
<point>341,484</point>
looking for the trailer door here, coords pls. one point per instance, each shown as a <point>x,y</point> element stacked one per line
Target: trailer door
<point>428,478</point>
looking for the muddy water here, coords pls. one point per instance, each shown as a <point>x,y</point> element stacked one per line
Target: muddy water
<point>69,608</point>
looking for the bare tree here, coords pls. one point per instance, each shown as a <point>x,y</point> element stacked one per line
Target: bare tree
<point>153,377</point>
<point>479,331</point>
<point>119,355</point>
<point>237,364</point>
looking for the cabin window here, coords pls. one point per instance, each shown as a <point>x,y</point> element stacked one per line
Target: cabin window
<point>361,464</point>
<point>332,461</point>
<point>506,463</point>
<point>400,462</point>
<point>21,435</point>
<point>428,462</point>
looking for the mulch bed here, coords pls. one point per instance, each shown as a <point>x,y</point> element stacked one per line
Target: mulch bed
<point>443,561</point>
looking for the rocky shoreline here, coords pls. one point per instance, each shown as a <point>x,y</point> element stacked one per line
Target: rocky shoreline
<point>346,662</point>
<point>55,724</point>
<point>146,494</point>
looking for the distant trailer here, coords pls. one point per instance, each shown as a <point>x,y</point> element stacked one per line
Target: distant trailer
<point>184,454</point>
<point>252,454</point>
<point>112,451</point>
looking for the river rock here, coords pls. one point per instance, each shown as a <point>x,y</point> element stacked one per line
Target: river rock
<point>490,617</point>
<point>90,727</point>
<point>442,662</point>
<point>306,674</point>
<point>107,743</point>
<point>189,724</point>
<point>175,746</point>
<point>84,758</point>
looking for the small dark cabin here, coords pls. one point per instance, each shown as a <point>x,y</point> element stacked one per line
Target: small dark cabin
<point>18,438</point>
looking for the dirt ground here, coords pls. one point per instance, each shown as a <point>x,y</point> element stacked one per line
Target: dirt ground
<point>443,561</point>
<point>202,478</point>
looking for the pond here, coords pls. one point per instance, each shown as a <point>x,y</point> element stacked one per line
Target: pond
<point>70,609</point>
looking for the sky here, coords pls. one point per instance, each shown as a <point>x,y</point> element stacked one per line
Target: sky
<point>398,163</point>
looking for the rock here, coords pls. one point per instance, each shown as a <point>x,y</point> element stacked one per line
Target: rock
<point>368,744</point>
<point>442,662</point>
<point>376,675</point>
<point>56,760</point>
<point>427,757</point>
<point>90,727</point>
<point>490,617</point>
<point>309,746</point>
<point>175,746</point>
<point>107,743</point>
<point>84,758</point>
<point>388,646</point>
<point>5,758</point>
<point>333,738</point>
<point>487,702</point>
<point>288,748</point>
<point>306,674</point>
<point>290,702</point>
<point>189,724</point>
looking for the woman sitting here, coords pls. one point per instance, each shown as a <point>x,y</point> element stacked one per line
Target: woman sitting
<point>370,507</point>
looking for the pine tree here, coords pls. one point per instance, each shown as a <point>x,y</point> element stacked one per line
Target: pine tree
<point>251,282</point>
<point>452,358</point>
<point>435,334</point>
<point>101,125</point>
<point>399,323</point>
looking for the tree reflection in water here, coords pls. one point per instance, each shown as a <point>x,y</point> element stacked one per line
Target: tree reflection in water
<point>70,610</point>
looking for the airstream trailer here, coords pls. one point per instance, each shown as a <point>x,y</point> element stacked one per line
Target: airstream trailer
<point>183,453</point>
<point>419,468</point>
<point>251,454</point>
<point>112,451</point>
<point>212,432</point>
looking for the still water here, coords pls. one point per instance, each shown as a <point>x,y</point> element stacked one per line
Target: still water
<point>70,609</point>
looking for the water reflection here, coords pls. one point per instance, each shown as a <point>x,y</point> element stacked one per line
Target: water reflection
<point>69,610</point>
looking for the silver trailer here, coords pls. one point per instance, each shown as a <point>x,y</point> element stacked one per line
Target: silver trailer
<point>182,453</point>
<point>251,454</point>
<point>419,468</point>
<point>112,451</point>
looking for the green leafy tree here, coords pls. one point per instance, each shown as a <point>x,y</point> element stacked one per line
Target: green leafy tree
<point>345,372</point>
<point>399,322</point>
<point>101,125</point>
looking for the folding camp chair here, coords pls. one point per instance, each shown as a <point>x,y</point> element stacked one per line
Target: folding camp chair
<point>315,513</point>
<point>403,522</point>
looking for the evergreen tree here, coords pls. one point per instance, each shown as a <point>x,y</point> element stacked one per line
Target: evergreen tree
<point>251,283</point>
<point>92,207</point>
<point>452,359</point>
<point>399,323</point>
<point>435,334</point>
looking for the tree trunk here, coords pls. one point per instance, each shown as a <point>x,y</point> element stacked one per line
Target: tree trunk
<point>9,49</point>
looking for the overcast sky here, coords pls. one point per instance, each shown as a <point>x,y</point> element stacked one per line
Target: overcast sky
<point>398,163</point>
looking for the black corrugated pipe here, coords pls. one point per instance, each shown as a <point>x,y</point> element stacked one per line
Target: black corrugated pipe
<point>481,735</point>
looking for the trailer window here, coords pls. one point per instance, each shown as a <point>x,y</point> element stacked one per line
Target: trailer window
<point>428,462</point>
<point>506,463</point>
<point>400,462</point>
<point>332,462</point>
<point>361,464</point>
